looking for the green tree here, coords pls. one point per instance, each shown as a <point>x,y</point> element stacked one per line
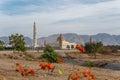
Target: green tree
<point>100,47</point>
<point>17,41</point>
<point>1,45</point>
<point>94,47</point>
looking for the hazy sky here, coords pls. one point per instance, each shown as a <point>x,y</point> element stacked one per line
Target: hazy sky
<point>59,16</point>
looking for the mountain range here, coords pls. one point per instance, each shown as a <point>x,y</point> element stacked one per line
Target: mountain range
<point>105,38</point>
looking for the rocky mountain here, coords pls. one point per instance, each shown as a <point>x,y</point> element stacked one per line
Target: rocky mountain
<point>107,39</point>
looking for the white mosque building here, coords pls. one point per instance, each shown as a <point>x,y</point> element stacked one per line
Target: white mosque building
<point>63,44</point>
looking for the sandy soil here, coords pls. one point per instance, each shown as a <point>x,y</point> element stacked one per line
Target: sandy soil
<point>7,70</point>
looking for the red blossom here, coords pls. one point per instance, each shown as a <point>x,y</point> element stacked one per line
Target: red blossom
<point>32,71</point>
<point>24,73</point>
<point>84,74</point>
<point>80,48</point>
<point>49,66</point>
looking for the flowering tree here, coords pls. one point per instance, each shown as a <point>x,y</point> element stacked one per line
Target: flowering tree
<point>80,48</point>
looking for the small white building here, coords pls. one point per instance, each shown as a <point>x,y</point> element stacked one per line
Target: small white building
<point>68,45</point>
<point>63,44</point>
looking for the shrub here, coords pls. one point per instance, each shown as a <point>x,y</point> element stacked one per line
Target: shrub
<point>94,47</point>
<point>29,57</point>
<point>50,54</point>
<point>109,50</point>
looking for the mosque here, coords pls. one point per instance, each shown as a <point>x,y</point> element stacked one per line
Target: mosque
<point>61,42</point>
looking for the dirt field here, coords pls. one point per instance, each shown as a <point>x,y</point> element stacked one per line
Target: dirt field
<point>7,69</point>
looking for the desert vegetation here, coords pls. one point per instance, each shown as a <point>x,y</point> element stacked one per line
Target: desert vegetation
<point>17,41</point>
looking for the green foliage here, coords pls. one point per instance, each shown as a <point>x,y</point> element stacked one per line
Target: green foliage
<point>17,41</point>
<point>48,49</point>
<point>100,47</point>
<point>1,45</point>
<point>50,54</point>
<point>94,47</point>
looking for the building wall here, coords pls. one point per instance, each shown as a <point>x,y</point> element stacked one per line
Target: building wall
<point>68,45</point>
<point>63,44</point>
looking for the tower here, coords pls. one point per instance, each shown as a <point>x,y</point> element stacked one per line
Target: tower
<point>61,39</point>
<point>34,36</point>
<point>44,43</point>
<point>90,40</point>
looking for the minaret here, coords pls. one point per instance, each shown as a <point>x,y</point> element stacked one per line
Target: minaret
<point>90,40</point>
<point>60,39</point>
<point>44,43</point>
<point>34,36</point>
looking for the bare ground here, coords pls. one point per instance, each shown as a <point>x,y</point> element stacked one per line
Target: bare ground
<point>7,69</point>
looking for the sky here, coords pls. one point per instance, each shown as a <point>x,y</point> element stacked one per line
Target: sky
<point>84,17</point>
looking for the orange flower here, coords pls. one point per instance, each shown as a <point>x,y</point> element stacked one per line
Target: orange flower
<point>88,75</point>
<point>80,48</point>
<point>32,71</point>
<point>24,73</point>
<point>89,72</point>
<point>49,66</point>
<point>84,74</point>
<point>72,76</point>
<point>77,75</point>
<point>42,65</point>
<point>60,60</point>
<point>92,76</point>
<point>19,69</point>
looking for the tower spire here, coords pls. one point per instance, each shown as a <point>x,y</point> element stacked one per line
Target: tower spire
<point>34,36</point>
<point>90,39</point>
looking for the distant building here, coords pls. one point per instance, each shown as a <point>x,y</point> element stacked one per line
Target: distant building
<point>63,44</point>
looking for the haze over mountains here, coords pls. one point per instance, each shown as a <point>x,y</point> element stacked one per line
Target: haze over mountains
<point>107,39</point>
